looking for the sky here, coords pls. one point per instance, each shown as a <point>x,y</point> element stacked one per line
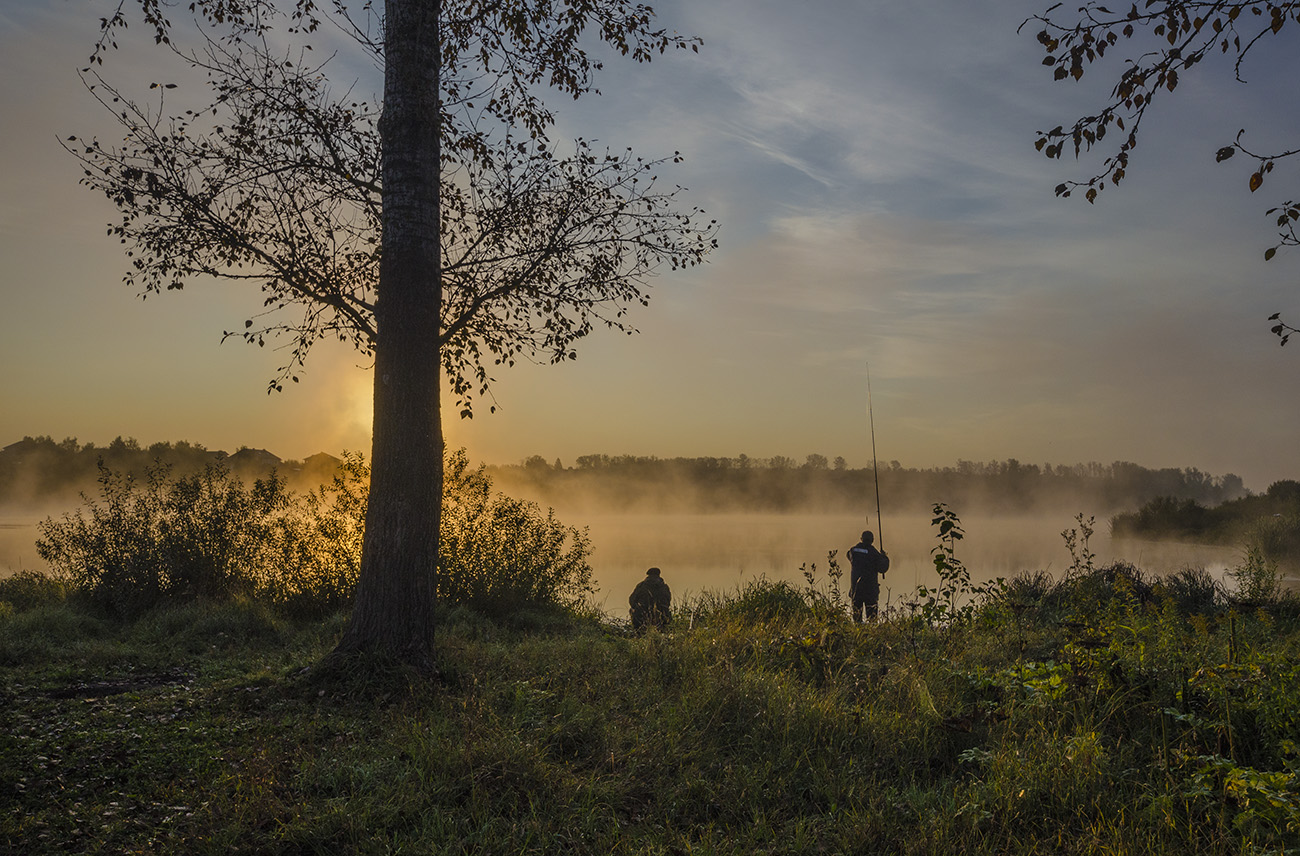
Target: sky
<point>885,223</point>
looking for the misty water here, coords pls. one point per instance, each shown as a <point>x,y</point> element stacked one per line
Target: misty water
<point>18,544</point>
<point>719,552</point>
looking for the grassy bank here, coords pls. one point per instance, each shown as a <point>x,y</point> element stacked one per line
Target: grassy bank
<point>1104,716</point>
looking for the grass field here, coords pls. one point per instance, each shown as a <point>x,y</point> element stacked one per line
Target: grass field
<point>1106,716</point>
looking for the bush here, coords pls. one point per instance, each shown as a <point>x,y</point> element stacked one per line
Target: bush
<point>141,544</point>
<point>499,553</point>
<point>315,554</point>
<point>1277,538</point>
<point>1193,590</point>
<point>1257,578</point>
<point>29,589</point>
<point>208,537</point>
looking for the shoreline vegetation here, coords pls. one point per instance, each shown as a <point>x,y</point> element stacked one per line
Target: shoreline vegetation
<point>1269,522</point>
<point>165,691</point>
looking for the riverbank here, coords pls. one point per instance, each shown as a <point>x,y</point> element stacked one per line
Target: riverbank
<point>1113,717</point>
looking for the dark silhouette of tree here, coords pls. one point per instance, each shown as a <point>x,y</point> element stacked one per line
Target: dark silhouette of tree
<point>438,231</point>
<point>1175,36</point>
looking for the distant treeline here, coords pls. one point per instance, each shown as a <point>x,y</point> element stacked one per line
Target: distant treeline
<point>38,470</point>
<point>628,482</point>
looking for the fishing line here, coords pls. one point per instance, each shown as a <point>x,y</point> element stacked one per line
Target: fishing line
<point>875,471</point>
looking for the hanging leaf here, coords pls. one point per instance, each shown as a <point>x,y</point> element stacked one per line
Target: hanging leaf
<point>1256,181</point>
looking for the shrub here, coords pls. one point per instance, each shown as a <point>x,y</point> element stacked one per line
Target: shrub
<point>141,544</point>
<point>498,552</point>
<point>1277,538</point>
<point>315,552</point>
<point>1193,590</point>
<point>29,589</point>
<point>1257,578</point>
<point>206,536</point>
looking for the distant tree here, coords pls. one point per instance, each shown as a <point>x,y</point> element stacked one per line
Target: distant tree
<point>1176,35</point>
<point>440,232</point>
<point>840,464</point>
<point>536,463</point>
<point>816,462</point>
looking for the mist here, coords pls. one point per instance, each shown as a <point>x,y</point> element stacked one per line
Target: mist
<point>712,523</point>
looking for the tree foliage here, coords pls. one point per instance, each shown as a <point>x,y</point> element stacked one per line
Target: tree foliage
<point>1175,35</point>
<point>271,175</point>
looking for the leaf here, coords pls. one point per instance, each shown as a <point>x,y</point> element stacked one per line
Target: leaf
<point>1224,153</point>
<point>1269,253</point>
<point>1256,181</point>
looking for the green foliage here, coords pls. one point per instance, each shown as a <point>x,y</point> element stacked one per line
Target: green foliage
<point>768,725</point>
<point>955,600</point>
<point>315,551</point>
<point>758,601</point>
<point>1277,537</point>
<point>1076,542</point>
<point>208,537</point>
<point>1257,578</point>
<point>1193,591</point>
<point>28,589</point>
<point>1270,521</point>
<point>199,536</point>
<point>783,729</point>
<point>828,598</point>
<point>499,553</point>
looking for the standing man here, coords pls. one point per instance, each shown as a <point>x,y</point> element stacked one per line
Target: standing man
<point>867,566</point>
<point>651,602</point>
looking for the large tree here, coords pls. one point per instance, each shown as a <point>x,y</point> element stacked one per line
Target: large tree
<point>1174,36</point>
<point>438,230</point>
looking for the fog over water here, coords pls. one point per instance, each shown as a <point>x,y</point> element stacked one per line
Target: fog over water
<point>18,536</point>
<point>699,552</point>
<point>719,552</point>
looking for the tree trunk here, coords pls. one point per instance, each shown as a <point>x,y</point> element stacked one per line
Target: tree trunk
<point>393,612</point>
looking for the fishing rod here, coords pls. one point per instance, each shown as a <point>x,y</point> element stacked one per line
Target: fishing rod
<point>875,471</point>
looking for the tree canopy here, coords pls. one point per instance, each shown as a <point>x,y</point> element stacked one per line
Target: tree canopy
<point>274,177</point>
